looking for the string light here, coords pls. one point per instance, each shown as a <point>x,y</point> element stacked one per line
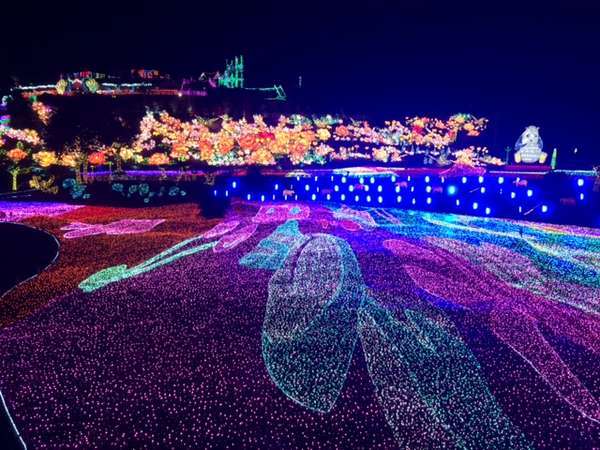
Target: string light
<point>470,329</point>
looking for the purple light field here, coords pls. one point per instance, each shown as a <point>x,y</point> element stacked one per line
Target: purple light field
<point>294,325</point>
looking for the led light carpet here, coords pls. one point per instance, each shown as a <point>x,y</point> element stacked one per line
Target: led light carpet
<point>304,326</point>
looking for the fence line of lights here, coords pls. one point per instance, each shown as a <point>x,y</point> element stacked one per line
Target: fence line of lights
<point>479,195</point>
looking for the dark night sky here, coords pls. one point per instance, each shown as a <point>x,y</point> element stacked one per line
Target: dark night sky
<point>518,63</point>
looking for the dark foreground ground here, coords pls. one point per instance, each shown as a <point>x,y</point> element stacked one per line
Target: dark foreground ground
<point>26,252</point>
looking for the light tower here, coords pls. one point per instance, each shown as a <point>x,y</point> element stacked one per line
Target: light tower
<point>233,76</point>
<point>239,71</point>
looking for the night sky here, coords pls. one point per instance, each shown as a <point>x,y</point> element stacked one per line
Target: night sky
<point>518,64</point>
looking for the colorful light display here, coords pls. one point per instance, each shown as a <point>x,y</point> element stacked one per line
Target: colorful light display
<point>424,371</point>
<point>43,111</point>
<point>309,330</point>
<point>45,158</point>
<point>304,141</point>
<point>18,211</point>
<point>26,136</point>
<point>528,148</point>
<point>477,192</point>
<point>126,226</point>
<point>469,330</point>
<point>233,76</point>
<point>273,250</point>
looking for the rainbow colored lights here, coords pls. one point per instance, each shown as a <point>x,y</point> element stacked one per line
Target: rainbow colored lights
<point>294,324</point>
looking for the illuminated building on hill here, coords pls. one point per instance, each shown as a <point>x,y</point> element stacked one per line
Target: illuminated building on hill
<point>142,81</point>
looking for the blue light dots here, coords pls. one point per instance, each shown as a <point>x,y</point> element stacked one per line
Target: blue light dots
<point>427,179</point>
<point>473,197</point>
<point>343,197</point>
<point>343,179</point>
<point>480,179</point>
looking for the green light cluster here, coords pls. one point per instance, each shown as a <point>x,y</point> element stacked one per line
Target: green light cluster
<point>121,272</point>
<point>309,330</point>
<point>429,384</point>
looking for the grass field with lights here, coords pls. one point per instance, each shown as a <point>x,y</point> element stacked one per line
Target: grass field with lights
<point>302,325</point>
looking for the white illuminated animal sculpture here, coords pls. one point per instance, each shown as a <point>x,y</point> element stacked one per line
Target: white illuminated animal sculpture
<point>528,148</point>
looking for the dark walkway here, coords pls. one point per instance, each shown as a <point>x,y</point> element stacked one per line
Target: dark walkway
<point>25,252</point>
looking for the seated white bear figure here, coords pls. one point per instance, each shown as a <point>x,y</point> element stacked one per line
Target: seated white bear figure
<point>528,148</point>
